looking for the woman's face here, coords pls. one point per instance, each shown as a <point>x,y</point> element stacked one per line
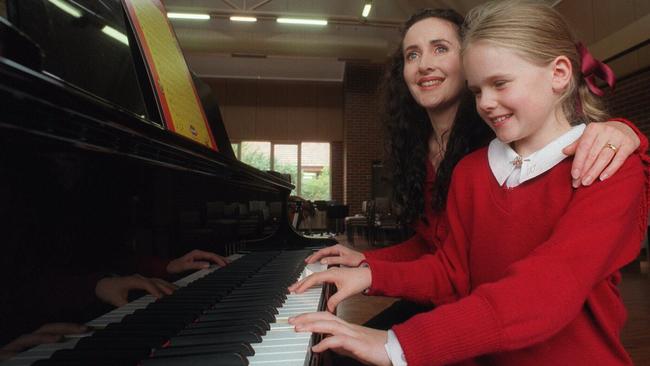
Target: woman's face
<point>432,64</point>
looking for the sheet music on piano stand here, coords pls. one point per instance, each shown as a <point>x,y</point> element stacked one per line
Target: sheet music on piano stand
<point>179,102</point>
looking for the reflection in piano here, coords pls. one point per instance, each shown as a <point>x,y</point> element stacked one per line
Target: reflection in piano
<point>91,180</point>
<point>235,315</point>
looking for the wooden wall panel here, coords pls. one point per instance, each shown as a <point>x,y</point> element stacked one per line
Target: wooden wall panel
<point>280,110</point>
<point>238,116</point>
<point>644,55</point>
<point>302,112</point>
<point>330,109</point>
<point>610,16</point>
<point>610,27</point>
<point>271,120</point>
<point>622,65</point>
<point>593,20</point>
<point>641,7</point>
<point>579,14</point>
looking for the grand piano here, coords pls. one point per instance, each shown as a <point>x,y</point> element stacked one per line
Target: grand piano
<point>91,179</point>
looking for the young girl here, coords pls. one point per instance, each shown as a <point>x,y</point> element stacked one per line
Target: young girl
<point>431,127</point>
<point>528,272</point>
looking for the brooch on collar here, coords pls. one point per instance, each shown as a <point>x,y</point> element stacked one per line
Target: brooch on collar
<point>517,162</point>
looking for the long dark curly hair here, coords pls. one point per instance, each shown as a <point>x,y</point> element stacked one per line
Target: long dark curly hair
<point>409,129</point>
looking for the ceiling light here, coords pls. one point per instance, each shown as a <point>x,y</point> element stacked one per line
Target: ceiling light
<point>302,21</point>
<point>366,9</point>
<point>235,18</point>
<point>67,8</point>
<point>188,16</point>
<point>114,33</point>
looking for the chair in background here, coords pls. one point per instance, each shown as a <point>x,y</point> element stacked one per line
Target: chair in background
<point>336,215</point>
<point>385,227</point>
<point>358,223</point>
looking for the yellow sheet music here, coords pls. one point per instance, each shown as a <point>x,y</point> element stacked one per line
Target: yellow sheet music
<point>179,101</point>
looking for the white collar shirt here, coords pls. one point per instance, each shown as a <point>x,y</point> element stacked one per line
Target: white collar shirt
<point>511,170</point>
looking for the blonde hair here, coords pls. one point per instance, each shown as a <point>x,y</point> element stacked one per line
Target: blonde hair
<point>539,34</point>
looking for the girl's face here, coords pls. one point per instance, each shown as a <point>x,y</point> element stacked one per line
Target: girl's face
<point>432,66</point>
<point>514,96</point>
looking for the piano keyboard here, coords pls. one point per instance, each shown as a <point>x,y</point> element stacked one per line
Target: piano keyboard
<point>231,316</point>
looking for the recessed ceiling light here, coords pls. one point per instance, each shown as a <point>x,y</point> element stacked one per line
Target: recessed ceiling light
<point>366,9</point>
<point>67,8</point>
<point>188,16</point>
<point>302,21</point>
<point>236,18</point>
<point>114,33</point>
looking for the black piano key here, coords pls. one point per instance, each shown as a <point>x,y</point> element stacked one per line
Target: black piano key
<point>243,349</point>
<point>142,315</point>
<point>260,323</point>
<point>192,298</point>
<point>123,343</point>
<point>149,328</point>
<point>138,332</point>
<point>93,362</point>
<point>239,308</point>
<point>133,355</point>
<point>223,338</point>
<point>257,292</point>
<point>253,297</point>
<point>212,320</point>
<point>269,317</point>
<point>217,359</point>
<point>224,329</point>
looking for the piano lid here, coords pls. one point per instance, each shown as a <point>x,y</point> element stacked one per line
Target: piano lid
<point>80,60</point>
<point>77,49</point>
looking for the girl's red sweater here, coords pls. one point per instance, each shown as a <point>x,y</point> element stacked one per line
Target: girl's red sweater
<point>526,276</point>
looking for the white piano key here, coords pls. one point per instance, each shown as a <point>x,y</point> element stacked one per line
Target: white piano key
<point>118,314</point>
<point>40,352</point>
<point>281,345</point>
<point>46,350</point>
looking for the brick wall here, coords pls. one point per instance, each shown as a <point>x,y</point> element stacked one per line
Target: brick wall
<point>363,141</point>
<point>632,100</point>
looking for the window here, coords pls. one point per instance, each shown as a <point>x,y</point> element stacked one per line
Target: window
<point>257,154</point>
<point>285,160</point>
<point>235,149</point>
<point>308,164</point>
<point>315,170</point>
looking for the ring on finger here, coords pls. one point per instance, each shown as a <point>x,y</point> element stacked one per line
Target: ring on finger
<point>610,146</point>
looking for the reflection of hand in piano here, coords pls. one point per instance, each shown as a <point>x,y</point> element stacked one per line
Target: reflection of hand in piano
<point>235,315</point>
<point>348,281</point>
<point>115,290</point>
<point>195,260</point>
<point>48,333</point>
<point>361,343</point>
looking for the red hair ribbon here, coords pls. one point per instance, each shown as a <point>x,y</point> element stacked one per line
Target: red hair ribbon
<point>591,68</point>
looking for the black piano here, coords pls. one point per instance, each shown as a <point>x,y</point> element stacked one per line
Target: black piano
<point>91,179</point>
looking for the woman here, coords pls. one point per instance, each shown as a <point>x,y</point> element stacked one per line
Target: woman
<point>432,123</point>
<point>512,279</point>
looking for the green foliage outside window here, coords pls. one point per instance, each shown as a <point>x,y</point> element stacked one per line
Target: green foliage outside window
<point>318,187</point>
<point>314,186</point>
<point>251,155</point>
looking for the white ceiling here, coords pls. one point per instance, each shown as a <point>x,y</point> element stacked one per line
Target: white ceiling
<point>268,50</point>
